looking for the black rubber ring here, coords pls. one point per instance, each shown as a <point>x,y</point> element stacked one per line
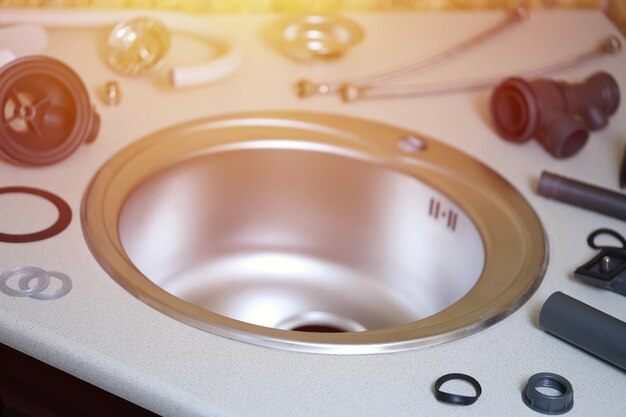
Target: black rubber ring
<point>65,216</point>
<point>457,399</point>
<point>591,239</point>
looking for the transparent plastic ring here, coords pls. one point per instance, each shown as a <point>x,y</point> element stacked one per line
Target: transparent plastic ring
<point>66,286</point>
<point>28,274</point>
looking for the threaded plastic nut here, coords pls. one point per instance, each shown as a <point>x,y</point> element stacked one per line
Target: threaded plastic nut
<point>544,403</point>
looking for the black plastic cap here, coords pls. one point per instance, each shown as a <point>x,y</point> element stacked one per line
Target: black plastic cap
<point>548,404</point>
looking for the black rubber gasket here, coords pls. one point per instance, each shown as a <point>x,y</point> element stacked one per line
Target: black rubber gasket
<point>457,399</point>
<point>591,239</point>
<point>65,216</point>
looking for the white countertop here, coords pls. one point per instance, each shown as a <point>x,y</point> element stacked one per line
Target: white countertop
<point>102,334</point>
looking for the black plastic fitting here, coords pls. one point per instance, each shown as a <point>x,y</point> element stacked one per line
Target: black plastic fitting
<point>583,195</point>
<point>608,268</point>
<point>586,327</point>
<point>558,114</point>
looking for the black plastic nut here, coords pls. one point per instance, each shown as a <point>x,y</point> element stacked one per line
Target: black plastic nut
<point>548,404</point>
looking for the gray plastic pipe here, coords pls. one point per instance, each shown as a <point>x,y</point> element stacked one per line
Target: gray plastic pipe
<point>582,195</point>
<point>585,327</point>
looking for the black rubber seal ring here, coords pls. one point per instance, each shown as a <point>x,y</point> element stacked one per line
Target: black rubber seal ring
<point>65,216</point>
<point>457,399</point>
<point>591,239</point>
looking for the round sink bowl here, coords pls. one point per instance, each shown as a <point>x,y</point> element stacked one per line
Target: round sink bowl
<point>314,233</point>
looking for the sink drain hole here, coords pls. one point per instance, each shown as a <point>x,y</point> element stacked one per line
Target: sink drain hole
<point>320,322</point>
<point>319,328</point>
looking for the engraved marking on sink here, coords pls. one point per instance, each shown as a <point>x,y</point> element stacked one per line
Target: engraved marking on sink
<point>435,210</point>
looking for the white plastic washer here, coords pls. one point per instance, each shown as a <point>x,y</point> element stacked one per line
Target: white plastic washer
<point>28,274</point>
<point>66,286</point>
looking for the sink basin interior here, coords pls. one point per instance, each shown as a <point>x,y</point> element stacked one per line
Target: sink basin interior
<point>314,233</point>
<point>298,239</point>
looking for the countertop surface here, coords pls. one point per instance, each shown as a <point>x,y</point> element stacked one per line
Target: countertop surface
<point>102,334</point>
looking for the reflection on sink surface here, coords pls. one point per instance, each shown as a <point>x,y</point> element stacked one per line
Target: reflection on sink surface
<point>313,233</point>
<point>261,235</point>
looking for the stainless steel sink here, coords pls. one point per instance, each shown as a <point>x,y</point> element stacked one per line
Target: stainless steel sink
<point>314,233</point>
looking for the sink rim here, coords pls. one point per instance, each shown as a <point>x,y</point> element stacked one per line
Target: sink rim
<point>488,199</point>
